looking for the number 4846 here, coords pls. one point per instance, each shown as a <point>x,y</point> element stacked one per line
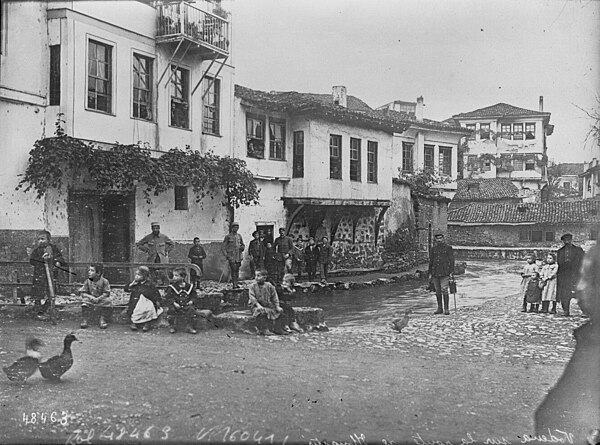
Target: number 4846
<point>44,417</point>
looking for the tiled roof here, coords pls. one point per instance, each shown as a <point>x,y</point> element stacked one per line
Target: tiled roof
<point>570,169</point>
<point>499,110</point>
<point>400,116</point>
<point>357,112</point>
<point>559,212</point>
<point>489,189</point>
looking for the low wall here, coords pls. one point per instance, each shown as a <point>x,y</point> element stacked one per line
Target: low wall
<point>499,253</point>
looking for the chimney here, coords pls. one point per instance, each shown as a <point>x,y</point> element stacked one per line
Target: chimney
<point>541,104</point>
<point>419,109</point>
<point>339,96</point>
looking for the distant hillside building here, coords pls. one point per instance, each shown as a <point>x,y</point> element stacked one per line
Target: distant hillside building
<point>507,142</point>
<point>591,175</point>
<point>568,182</point>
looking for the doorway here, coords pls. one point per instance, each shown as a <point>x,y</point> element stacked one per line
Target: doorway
<point>100,230</point>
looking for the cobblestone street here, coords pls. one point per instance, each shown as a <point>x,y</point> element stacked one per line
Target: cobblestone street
<point>496,329</point>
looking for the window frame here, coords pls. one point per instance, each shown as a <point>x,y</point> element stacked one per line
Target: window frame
<point>506,134</point>
<point>335,160</point>
<point>181,197</point>
<point>529,165</point>
<point>355,159</point>
<point>372,161</point>
<point>535,234</point>
<point>428,154</point>
<point>518,134</point>
<point>528,125</point>
<point>473,129</point>
<point>408,161</point>
<point>184,101</point>
<point>298,154</point>
<point>549,235</point>
<point>54,90</point>
<point>277,152</point>
<point>488,133</point>
<point>211,110</point>
<point>594,234</point>
<point>443,151</point>
<point>518,163</point>
<point>253,138</point>
<point>109,47</point>
<point>149,91</point>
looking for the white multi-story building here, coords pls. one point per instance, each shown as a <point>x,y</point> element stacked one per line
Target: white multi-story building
<point>507,142</point>
<point>128,72</point>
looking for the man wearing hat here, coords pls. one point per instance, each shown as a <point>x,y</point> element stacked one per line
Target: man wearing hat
<point>569,259</point>
<point>157,245</point>
<point>256,251</point>
<point>232,248</point>
<point>441,268</point>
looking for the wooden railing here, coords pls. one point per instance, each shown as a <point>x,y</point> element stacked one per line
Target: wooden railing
<point>19,272</point>
<point>182,19</point>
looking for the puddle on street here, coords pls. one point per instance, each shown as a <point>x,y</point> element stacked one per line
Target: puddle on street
<point>483,280</point>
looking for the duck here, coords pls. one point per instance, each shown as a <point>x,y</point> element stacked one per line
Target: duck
<point>55,367</point>
<point>401,323</point>
<point>26,366</point>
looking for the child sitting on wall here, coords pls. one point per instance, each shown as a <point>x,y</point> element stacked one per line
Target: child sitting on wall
<point>95,294</point>
<point>180,300</point>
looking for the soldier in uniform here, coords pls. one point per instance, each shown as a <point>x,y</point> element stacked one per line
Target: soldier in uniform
<point>157,245</point>
<point>232,248</point>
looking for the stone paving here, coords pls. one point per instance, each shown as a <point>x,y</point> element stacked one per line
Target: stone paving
<point>497,330</point>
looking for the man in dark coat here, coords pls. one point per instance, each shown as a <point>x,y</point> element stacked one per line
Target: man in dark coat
<point>571,410</point>
<point>569,259</point>
<point>256,251</point>
<point>441,268</point>
<point>284,246</point>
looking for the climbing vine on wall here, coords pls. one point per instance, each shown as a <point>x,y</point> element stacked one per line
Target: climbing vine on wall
<point>54,162</point>
<point>422,182</point>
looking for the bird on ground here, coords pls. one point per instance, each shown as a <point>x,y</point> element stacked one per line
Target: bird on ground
<point>55,367</point>
<point>401,323</point>
<point>26,366</point>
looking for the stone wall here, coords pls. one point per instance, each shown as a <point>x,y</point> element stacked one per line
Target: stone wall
<point>508,236</point>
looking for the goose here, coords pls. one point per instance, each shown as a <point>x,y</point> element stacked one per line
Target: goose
<point>55,367</point>
<point>26,366</point>
<point>401,323</point>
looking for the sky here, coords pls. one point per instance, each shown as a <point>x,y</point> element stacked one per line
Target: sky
<point>460,55</point>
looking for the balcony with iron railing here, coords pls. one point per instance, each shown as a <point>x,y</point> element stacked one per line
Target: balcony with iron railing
<point>177,21</point>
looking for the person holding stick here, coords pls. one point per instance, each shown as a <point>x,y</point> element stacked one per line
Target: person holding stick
<point>45,254</point>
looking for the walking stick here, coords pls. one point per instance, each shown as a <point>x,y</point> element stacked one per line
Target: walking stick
<point>452,285</point>
<point>50,285</point>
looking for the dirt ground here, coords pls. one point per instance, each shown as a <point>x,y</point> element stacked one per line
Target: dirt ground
<point>220,387</point>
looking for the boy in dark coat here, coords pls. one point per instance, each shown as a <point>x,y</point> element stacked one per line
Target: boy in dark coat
<point>311,258</point>
<point>180,300</point>
<point>196,256</point>
<point>44,253</point>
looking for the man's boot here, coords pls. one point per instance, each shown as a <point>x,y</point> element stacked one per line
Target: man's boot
<point>553,310</point>
<point>446,304</point>
<point>171,319</point>
<point>525,305</point>
<point>439,303</point>
<point>545,305</point>
<point>85,314</point>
